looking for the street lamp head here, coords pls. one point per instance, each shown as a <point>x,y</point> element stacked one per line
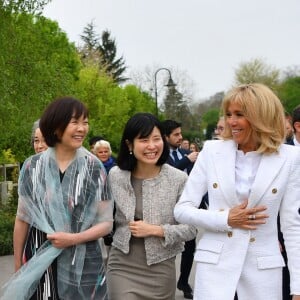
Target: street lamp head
<point>170,83</point>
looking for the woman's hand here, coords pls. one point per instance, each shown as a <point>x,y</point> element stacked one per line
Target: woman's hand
<point>247,218</point>
<point>296,297</point>
<point>141,229</point>
<point>61,240</point>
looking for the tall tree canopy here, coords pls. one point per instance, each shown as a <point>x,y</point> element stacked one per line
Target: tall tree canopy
<point>114,66</point>
<point>177,108</point>
<point>173,104</point>
<point>110,105</point>
<point>102,52</point>
<point>256,70</point>
<point>27,6</point>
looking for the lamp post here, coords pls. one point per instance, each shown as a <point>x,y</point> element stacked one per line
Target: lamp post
<point>169,84</point>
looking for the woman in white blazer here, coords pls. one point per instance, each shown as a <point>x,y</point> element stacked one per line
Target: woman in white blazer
<point>250,177</point>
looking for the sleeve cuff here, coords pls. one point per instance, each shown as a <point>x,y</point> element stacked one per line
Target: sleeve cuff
<point>222,221</point>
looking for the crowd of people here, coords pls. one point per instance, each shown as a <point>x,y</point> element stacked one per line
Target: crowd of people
<point>241,190</point>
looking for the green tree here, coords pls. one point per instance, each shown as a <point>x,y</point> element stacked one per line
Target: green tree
<point>110,105</point>
<point>115,67</point>
<point>209,121</point>
<point>174,104</point>
<point>256,70</point>
<point>89,52</point>
<point>289,93</point>
<point>177,108</point>
<point>102,52</point>
<point>37,64</point>
<point>90,37</point>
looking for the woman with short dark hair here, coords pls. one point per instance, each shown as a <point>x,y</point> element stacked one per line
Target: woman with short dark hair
<point>63,193</point>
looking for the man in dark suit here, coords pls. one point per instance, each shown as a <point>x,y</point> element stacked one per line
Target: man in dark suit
<point>184,160</point>
<point>289,135</point>
<point>179,158</point>
<point>295,141</point>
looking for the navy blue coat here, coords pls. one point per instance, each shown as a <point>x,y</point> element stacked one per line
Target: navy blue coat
<point>183,163</point>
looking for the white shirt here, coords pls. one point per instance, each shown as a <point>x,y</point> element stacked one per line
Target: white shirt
<point>246,166</point>
<point>178,153</point>
<point>180,156</point>
<point>296,142</point>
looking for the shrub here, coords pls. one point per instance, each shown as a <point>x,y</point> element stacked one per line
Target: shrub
<point>6,232</point>
<point>7,219</point>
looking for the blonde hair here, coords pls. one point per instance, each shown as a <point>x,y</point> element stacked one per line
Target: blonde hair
<point>102,143</point>
<point>263,110</point>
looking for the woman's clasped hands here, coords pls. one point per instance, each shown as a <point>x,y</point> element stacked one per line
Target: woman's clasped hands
<point>142,229</point>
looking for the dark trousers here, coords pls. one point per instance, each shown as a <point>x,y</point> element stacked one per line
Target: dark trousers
<point>187,258</point>
<point>285,280</point>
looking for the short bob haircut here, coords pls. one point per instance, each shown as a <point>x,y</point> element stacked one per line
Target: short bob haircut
<point>263,110</point>
<point>102,143</point>
<point>139,126</point>
<point>58,115</point>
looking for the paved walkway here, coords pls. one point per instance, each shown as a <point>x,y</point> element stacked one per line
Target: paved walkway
<point>7,268</point>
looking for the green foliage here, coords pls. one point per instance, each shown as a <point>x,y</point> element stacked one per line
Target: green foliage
<point>176,107</point>
<point>289,93</point>
<point>211,116</point>
<point>256,70</point>
<point>114,66</point>
<point>7,219</point>
<point>37,64</point>
<point>140,101</point>
<point>209,121</point>
<point>6,233</point>
<point>12,173</point>
<point>6,157</point>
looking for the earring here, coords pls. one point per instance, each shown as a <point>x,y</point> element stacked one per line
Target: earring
<point>130,152</point>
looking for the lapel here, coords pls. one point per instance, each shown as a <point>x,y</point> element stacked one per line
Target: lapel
<point>269,167</point>
<point>224,165</point>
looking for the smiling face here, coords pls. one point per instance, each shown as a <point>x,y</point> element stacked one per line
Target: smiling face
<point>148,150</point>
<point>102,153</point>
<point>74,133</point>
<point>242,132</point>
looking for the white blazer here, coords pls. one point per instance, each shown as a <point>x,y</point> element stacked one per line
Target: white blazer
<point>224,256</point>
